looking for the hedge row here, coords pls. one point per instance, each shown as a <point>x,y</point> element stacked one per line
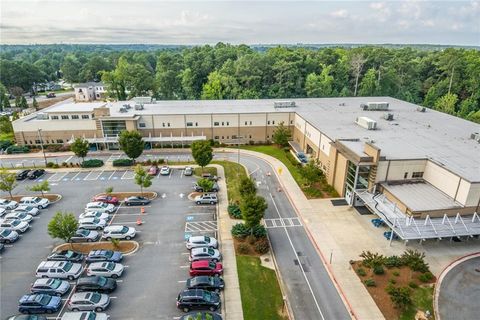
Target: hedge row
<point>92,163</point>
<point>122,162</point>
<point>18,149</point>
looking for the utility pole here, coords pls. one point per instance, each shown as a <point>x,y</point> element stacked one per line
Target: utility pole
<point>41,144</point>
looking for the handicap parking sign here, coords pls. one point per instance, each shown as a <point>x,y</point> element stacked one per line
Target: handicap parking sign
<point>189,218</point>
<point>187,236</point>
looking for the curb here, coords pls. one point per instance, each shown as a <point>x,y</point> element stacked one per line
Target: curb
<point>135,249</point>
<point>442,275</point>
<point>155,194</point>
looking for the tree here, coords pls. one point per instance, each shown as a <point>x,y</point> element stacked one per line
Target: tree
<point>23,103</point>
<point>8,181</point>
<point>356,63</point>
<point>6,102</point>
<point>447,103</point>
<point>18,102</point>
<point>202,152</point>
<point>246,187</point>
<point>131,143</point>
<point>253,208</point>
<point>108,190</point>
<point>5,125</point>
<point>368,86</point>
<point>205,184</point>
<point>40,187</point>
<point>80,147</point>
<point>63,226</point>
<point>35,104</point>
<point>320,85</point>
<point>142,178</point>
<point>281,135</point>
<point>311,172</point>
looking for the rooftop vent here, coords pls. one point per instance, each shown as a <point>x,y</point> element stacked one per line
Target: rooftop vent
<point>388,116</point>
<point>284,104</point>
<point>421,109</point>
<point>475,136</point>
<point>127,106</point>
<point>42,116</point>
<point>139,106</point>
<point>123,110</point>
<point>342,104</point>
<point>366,123</point>
<point>375,106</point>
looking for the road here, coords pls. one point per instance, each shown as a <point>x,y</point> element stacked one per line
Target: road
<point>310,291</point>
<point>459,292</point>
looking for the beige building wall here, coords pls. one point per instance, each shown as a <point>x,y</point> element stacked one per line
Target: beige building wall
<point>396,169</point>
<point>468,193</point>
<point>340,174</point>
<point>441,178</point>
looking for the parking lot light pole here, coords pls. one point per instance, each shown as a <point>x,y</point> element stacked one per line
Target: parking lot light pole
<point>41,145</point>
<point>238,148</point>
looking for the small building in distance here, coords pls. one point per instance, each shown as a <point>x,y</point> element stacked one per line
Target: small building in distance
<point>89,91</point>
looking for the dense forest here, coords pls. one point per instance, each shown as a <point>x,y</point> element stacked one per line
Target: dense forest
<point>446,79</point>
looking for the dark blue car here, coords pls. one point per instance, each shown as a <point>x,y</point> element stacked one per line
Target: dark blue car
<point>104,255</point>
<point>302,157</point>
<point>39,303</point>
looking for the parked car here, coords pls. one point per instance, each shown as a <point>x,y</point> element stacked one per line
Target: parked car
<point>201,315</point>
<point>302,157</point>
<point>33,211</point>
<point>22,175</point>
<point>188,171</point>
<point>97,284</point>
<point>8,235</point>
<point>206,198</point>
<point>205,253</point>
<point>66,255</point>
<point>106,199</point>
<point>85,315</point>
<point>206,268</point>
<point>153,170</point>
<point>34,174</point>
<point>8,204</point>
<point>36,202</point>
<point>206,283</point>
<point>104,255</point>
<point>39,303</point>
<point>16,225</point>
<point>92,224</point>
<point>2,246</point>
<point>53,287</point>
<point>214,188</point>
<point>100,207</point>
<point>165,170</point>
<point>209,176</point>
<point>2,211</point>
<point>201,241</point>
<point>51,95</point>
<point>197,299</point>
<point>119,232</point>
<point>27,317</point>
<point>88,301</point>
<point>83,235</point>
<point>59,269</point>
<point>95,214</point>
<point>106,269</point>
<point>136,201</point>
<point>22,216</point>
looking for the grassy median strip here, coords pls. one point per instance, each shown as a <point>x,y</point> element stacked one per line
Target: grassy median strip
<point>261,295</point>
<point>233,173</point>
<point>422,298</point>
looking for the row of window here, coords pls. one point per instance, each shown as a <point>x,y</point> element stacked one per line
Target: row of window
<point>216,123</point>
<point>233,137</point>
<point>37,141</point>
<point>414,175</point>
<point>73,117</point>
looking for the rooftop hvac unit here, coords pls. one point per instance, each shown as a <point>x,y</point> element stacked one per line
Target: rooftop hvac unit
<point>375,106</point>
<point>388,116</point>
<point>127,106</point>
<point>42,116</point>
<point>284,104</point>
<point>366,123</point>
<point>123,110</point>
<point>139,106</point>
<point>475,136</point>
<point>421,109</point>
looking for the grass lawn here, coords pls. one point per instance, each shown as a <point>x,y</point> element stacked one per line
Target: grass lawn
<point>7,136</point>
<point>261,295</point>
<point>211,170</point>
<point>422,298</point>
<point>233,173</point>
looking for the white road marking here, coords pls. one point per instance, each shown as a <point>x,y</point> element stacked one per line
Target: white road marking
<point>114,215</point>
<point>73,178</point>
<point>181,174</point>
<point>68,159</point>
<point>184,267</point>
<point>112,175</point>
<point>182,281</point>
<point>298,259</point>
<point>96,178</point>
<point>65,304</point>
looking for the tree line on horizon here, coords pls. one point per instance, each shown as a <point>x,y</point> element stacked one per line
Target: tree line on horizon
<point>447,80</point>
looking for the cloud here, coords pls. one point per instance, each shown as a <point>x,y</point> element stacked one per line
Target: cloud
<point>342,13</point>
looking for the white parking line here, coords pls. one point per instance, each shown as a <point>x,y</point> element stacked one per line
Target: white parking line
<point>114,215</point>
<point>65,304</point>
<point>170,175</point>
<point>123,223</point>
<point>73,178</point>
<point>182,281</point>
<point>181,174</point>
<point>96,178</point>
<point>112,175</point>
<point>184,267</point>
<point>68,159</point>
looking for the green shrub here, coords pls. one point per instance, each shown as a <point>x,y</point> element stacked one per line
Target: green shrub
<point>370,259</point>
<point>370,283</point>
<point>122,162</point>
<point>240,230</point>
<point>4,144</point>
<point>401,297</point>
<point>18,149</point>
<point>396,273</point>
<point>50,164</point>
<point>243,248</point>
<point>92,163</point>
<point>392,281</point>
<point>393,262</point>
<point>292,159</point>
<point>262,246</point>
<point>425,277</point>
<point>361,272</point>
<point>234,211</point>
<point>259,231</point>
<point>378,270</point>
<point>160,161</point>
<point>55,166</point>
<point>64,164</point>
<point>412,285</point>
<point>415,260</point>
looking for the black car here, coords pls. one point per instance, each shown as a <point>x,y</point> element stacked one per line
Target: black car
<point>197,299</point>
<point>104,255</point>
<point>22,175</point>
<point>136,201</point>
<point>96,283</point>
<point>201,315</point>
<point>32,175</point>
<point>27,317</point>
<point>206,283</point>
<point>66,255</point>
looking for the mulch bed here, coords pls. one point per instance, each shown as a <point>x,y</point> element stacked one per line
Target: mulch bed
<point>251,247</point>
<point>122,195</point>
<point>123,246</point>
<point>51,197</point>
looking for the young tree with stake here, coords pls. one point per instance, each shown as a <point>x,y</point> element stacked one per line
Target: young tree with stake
<point>80,148</point>
<point>63,226</point>
<point>202,152</point>
<point>142,178</point>
<point>8,181</point>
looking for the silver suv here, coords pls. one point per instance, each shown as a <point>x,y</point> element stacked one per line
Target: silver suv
<point>88,301</point>
<point>206,198</point>
<point>59,269</point>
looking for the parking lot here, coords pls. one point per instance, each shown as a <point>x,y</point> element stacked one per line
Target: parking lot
<point>155,273</point>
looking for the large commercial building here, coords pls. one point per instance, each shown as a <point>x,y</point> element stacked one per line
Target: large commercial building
<point>377,151</point>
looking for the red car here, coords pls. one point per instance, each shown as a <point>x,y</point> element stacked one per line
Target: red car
<point>205,268</point>
<point>106,199</point>
<point>153,170</point>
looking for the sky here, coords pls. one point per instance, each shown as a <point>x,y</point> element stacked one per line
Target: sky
<point>249,22</point>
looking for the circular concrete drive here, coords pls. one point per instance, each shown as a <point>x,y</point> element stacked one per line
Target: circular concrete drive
<point>458,296</point>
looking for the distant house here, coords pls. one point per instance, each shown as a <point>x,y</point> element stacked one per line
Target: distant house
<point>89,91</point>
